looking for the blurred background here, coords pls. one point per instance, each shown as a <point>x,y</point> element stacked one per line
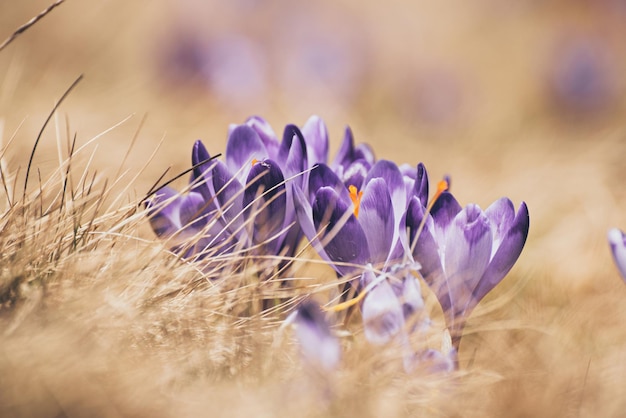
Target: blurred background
<point>524,99</point>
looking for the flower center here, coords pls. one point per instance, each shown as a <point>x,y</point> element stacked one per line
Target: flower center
<point>355,196</point>
<point>254,161</point>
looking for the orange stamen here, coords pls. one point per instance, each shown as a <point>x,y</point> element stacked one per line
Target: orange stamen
<point>442,186</point>
<point>254,161</point>
<point>355,196</point>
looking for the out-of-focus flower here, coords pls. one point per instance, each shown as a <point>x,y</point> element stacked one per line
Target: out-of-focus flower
<point>319,346</point>
<point>319,64</point>
<point>617,240</point>
<point>433,361</point>
<point>233,68</point>
<point>582,76</point>
<point>465,252</point>
<point>383,317</point>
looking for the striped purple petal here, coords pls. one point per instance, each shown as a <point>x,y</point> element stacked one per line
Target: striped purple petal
<point>304,214</point>
<point>265,199</point>
<point>343,238</point>
<point>345,154</point>
<point>426,252</point>
<point>374,217</point>
<point>228,195</point>
<point>468,247</point>
<point>323,176</point>
<point>266,134</point>
<point>292,154</point>
<point>421,184</point>
<point>316,136</point>
<point>444,211</point>
<point>355,173</point>
<point>201,176</point>
<point>508,251</point>
<point>389,172</point>
<point>244,146</point>
<point>163,210</point>
<point>364,152</point>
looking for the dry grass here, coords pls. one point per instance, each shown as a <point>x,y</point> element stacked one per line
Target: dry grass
<point>97,318</point>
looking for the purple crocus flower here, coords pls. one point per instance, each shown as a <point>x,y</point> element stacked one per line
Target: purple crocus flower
<point>388,310</point>
<point>350,226</point>
<point>174,216</point>
<point>319,346</point>
<point>389,305</point>
<point>617,240</point>
<point>465,252</point>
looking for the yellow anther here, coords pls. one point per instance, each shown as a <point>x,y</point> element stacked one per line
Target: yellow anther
<point>442,186</point>
<point>254,161</point>
<point>355,196</point>
<point>345,305</point>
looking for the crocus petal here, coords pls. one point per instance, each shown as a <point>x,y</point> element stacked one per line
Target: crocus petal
<point>408,170</point>
<point>292,154</point>
<point>345,155</point>
<point>506,255</point>
<point>266,134</point>
<point>348,243</point>
<point>467,253</point>
<point>365,152</point>
<point>375,220</point>
<point>617,240</point>
<point>426,252</point>
<point>316,136</point>
<point>382,314</point>
<point>421,184</point>
<point>201,177</point>
<point>319,347</point>
<point>444,211</point>
<point>355,173</point>
<point>163,210</point>
<point>389,171</point>
<point>501,214</point>
<point>228,195</point>
<point>265,199</point>
<point>242,147</point>
<point>412,300</point>
<point>192,211</point>
<point>408,175</point>
<point>304,214</point>
<point>323,176</point>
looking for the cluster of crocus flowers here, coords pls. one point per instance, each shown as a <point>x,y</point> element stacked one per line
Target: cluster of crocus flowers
<point>242,205</point>
<point>371,221</point>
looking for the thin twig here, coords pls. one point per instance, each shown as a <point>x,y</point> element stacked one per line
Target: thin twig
<point>30,23</point>
<point>54,109</point>
<point>155,189</point>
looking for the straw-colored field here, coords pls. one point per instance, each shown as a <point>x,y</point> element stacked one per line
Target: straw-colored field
<point>518,99</point>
